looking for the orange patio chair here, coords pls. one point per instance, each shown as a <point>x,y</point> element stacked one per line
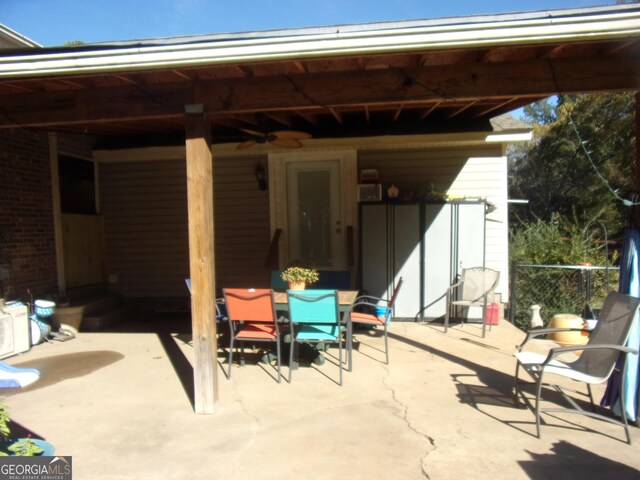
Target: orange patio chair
<point>252,318</point>
<point>381,318</point>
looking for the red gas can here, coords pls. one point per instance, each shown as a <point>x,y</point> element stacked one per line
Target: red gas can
<point>493,314</point>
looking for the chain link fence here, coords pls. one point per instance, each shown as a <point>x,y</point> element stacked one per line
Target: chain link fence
<point>573,289</point>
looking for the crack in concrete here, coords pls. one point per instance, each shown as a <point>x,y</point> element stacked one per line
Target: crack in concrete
<point>411,427</point>
<point>245,409</point>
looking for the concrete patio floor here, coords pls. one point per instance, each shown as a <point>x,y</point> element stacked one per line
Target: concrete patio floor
<point>120,403</point>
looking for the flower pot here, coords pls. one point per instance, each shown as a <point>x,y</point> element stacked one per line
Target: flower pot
<point>69,317</point>
<point>567,320</point>
<point>47,449</point>
<point>297,285</point>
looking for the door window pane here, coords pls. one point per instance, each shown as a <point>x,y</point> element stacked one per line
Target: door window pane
<point>314,217</point>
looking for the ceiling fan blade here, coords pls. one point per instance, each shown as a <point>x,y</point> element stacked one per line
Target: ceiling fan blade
<point>252,132</point>
<point>291,135</point>
<point>286,142</point>
<point>246,144</point>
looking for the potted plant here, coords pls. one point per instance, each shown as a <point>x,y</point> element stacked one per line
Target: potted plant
<point>299,275</point>
<point>20,447</point>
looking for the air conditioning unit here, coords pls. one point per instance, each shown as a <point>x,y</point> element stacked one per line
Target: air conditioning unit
<point>14,329</point>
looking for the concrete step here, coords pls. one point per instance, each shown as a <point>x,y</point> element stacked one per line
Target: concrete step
<point>101,319</point>
<point>101,303</point>
<point>93,308</point>
<point>78,295</point>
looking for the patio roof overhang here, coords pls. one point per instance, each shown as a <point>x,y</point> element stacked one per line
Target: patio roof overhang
<point>359,80</point>
<point>394,78</point>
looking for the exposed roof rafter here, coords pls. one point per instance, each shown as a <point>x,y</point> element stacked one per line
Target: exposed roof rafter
<point>394,76</point>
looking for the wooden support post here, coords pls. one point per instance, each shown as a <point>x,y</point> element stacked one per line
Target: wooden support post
<point>201,259</point>
<point>57,214</point>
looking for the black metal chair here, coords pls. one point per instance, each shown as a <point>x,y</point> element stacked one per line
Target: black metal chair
<point>382,316</point>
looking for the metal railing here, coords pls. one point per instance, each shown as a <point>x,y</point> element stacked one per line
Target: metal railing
<point>577,289</point>
<point>272,262</point>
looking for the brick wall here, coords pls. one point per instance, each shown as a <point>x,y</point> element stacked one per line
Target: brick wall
<point>27,242</point>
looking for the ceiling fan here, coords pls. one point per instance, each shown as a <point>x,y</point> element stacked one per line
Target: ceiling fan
<point>279,138</point>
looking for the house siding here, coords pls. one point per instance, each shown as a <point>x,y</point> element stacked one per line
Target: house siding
<point>472,171</point>
<point>144,204</point>
<point>27,239</point>
<point>146,226</point>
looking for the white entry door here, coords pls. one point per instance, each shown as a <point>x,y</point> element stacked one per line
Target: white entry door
<point>314,213</point>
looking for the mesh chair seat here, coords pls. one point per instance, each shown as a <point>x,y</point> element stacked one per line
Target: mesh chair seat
<point>258,331</point>
<point>467,303</point>
<point>319,333</point>
<point>531,362</point>
<point>367,318</point>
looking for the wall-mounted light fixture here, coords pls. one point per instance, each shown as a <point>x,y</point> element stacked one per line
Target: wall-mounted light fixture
<point>261,176</point>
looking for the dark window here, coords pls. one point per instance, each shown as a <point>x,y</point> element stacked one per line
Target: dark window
<point>77,185</point>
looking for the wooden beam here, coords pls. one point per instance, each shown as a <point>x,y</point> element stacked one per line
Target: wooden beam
<point>126,79</point>
<point>72,84</point>
<point>283,120</point>
<point>20,87</point>
<point>302,68</point>
<point>428,111</point>
<point>309,117</point>
<point>620,46</point>
<point>337,115</point>
<point>201,260</point>
<point>244,70</point>
<point>398,112</point>
<point>181,75</point>
<point>335,89</point>
<point>550,52</point>
<point>57,215</point>
<point>461,109</point>
<point>491,108</point>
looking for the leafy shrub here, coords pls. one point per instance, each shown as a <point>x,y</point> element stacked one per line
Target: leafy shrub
<point>558,243</point>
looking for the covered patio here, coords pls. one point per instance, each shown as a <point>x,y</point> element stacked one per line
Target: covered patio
<point>438,76</point>
<point>120,403</point>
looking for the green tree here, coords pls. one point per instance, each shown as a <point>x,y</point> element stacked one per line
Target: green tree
<point>555,174</point>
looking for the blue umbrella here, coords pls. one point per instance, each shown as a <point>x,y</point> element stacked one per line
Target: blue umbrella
<point>629,284</point>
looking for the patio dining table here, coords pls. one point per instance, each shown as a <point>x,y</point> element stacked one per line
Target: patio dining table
<point>346,298</point>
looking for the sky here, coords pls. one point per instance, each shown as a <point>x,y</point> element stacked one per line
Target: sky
<point>55,22</point>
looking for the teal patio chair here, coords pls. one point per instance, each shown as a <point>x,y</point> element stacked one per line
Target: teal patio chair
<point>314,317</point>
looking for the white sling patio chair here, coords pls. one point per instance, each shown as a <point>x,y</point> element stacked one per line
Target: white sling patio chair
<point>594,365</point>
<point>476,288</point>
